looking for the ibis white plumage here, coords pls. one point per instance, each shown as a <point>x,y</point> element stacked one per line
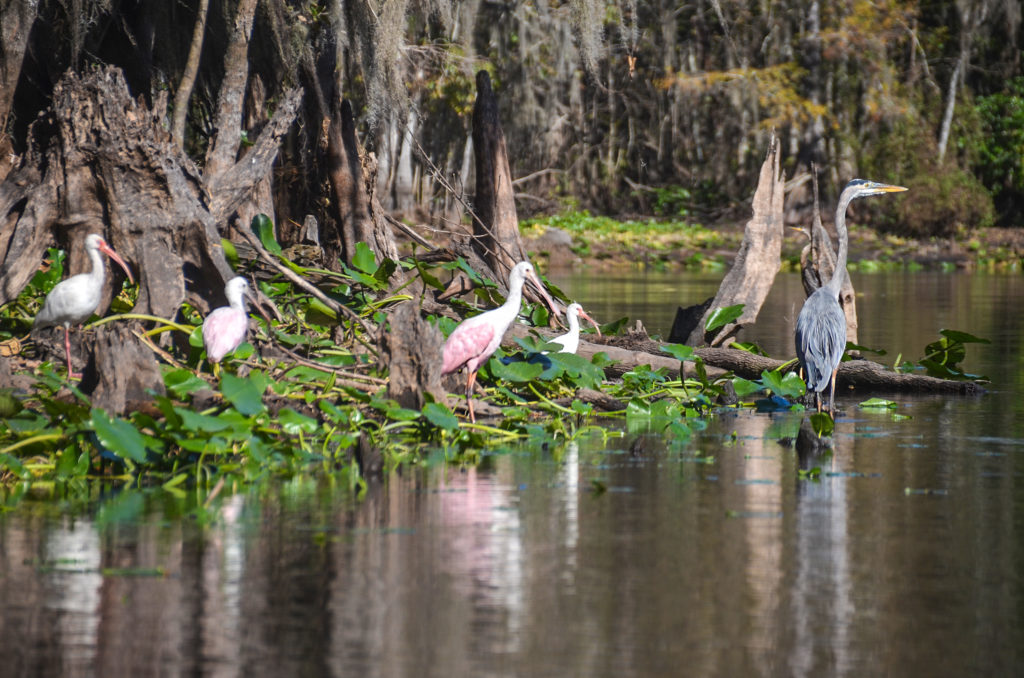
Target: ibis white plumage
<point>72,301</point>
<point>570,341</point>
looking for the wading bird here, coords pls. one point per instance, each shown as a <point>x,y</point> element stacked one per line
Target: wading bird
<point>570,341</point>
<point>476,338</point>
<point>225,328</point>
<point>821,325</point>
<point>72,301</point>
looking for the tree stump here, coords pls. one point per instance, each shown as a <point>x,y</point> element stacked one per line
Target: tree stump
<point>412,350</point>
<point>750,278</point>
<point>125,374</point>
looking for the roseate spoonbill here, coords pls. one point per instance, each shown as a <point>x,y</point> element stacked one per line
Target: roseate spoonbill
<point>821,325</point>
<point>570,341</point>
<point>225,328</point>
<point>72,301</point>
<point>476,338</point>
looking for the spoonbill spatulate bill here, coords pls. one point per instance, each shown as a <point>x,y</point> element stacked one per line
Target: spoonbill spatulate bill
<point>475,339</point>
<point>72,301</point>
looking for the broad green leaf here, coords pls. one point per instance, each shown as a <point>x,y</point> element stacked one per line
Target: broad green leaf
<point>440,416</point>
<point>9,404</point>
<point>878,403</point>
<point>723,316</point>
<point>745,387</point>
<point>118,436</point>
<point>195,339</point>
<point>194,421</point>
<point>263,227</point>
<point>244,394</point>
<point>519,372</point>
<point>230,253</point>
<point>294,423</point>
<point>681,351</point>
<point>182,382</point>
<point>823,424</point>
<point>789,385</point>
<point>363,259</point>
<point>963,337</point>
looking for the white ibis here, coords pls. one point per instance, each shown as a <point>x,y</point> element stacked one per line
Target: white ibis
<point>72,301</point>
<point>225,328</point>
<point>476,338</point>
<point>570,341</point>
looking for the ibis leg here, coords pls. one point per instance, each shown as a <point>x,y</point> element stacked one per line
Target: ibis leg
<point>67,352</point>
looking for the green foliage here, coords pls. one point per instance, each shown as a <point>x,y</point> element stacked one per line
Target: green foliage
<point>823,424</point>
<point>944,202</point>
<point>997,151</point>
<point>942,358</point>
<point>723,316</point>
<point>672,201</point>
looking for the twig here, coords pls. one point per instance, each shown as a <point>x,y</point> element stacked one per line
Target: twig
<point>405,228</point>
<point>304,284</point>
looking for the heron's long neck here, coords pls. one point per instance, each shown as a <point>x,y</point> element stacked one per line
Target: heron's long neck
<point>839,273</point>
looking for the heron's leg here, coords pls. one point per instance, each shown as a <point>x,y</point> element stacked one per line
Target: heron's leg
<point>469,392</point>
<point>832,394</point>
<point>67,352</point>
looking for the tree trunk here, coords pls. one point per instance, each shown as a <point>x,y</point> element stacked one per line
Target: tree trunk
<point>750,279</point>
<point>353,176</point>
<point>496,230</point>
<point>228,121</point>
<point>103,162</point>
<point>15,21</point>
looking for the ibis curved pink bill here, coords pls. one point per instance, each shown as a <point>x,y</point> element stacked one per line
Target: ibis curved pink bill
<point>72,301</point>
<point>225,328</point>
<point>570,341</point>
<point>476,338</point>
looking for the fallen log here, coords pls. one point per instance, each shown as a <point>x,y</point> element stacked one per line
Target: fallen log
<point>853,374</point>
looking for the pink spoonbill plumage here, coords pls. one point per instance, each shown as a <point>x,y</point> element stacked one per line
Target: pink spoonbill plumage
<point>225,328</point>
<point>72,301</point>
<point>570,341</point>
<point>476,338</point>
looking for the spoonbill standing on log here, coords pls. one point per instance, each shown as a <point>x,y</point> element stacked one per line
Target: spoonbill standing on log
<point>821,325</point>
<point>72,301</point>
<point>225,328</point>
<point>476,338</point>
<point>570,341</point>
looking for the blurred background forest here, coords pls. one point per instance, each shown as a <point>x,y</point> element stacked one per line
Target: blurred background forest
<point>619,107</point>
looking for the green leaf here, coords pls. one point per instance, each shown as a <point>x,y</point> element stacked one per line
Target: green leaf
<point>745,387</point>
<point>263,227</point>
<point>363,259</point>
<point>194,421</point>
<point>244,394</point>
<point>823,424</point>
<point>963,337</point>
<point>539,315</point>
<point>9,404</point>
<point>878,403</point>
<point>182,382</point>
<point>723,316</point>
<point>681,351</point>
<point>789,385</point>
<point>294,423</point>
<point>440,416</point>
<point>519,372</point>
<point>230,253</point>
<point>118,436</point>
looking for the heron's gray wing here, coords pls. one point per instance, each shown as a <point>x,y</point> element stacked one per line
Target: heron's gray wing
<point>820,338</point>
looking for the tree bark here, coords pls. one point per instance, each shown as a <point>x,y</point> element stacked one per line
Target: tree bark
<point>228,120</point>
<point>188,77</point>
<point>15,23</point>
<point>496,230</point>
<point>352,176</point>
<point>750,278</point>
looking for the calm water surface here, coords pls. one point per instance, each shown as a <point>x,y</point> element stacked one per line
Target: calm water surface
<point>703,557</point>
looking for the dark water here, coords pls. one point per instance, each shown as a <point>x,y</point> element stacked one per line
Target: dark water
<point>703,557</point>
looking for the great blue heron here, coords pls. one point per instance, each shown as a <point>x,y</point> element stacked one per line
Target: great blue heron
<point>821,325</point>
